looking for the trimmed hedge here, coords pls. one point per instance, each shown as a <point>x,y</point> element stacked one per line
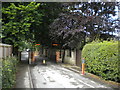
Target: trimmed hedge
<point>102,59</point>
<point>9,72</point>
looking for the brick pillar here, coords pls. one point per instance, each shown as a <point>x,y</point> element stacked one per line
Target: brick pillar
<point>57,56</point>
<point>32,56</point>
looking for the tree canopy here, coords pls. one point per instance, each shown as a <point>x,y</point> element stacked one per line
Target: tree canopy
<point>26,23</point>
<point>50,12</point>
<point>17,20</point>
<point>83,19</point>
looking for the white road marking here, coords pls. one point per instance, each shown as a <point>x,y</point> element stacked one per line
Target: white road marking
<point>86,79</point>
<point>62,77</point>
<point>93,82</point>
<point>86,84</point>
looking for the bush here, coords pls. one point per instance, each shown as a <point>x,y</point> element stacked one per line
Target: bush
<point>9,72</point>
<point>102,59</point>
<point>0,73</point>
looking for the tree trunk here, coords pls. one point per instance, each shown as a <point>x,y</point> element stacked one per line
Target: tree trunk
<point>78,57</point>
<point>15,51</point>
<point>42,50</point>
<point>63,56</point>
<point>19,56</point>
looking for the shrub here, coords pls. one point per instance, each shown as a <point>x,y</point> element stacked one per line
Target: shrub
<point>8,72</point>
<point>0,73</point>
<point>102,59</point>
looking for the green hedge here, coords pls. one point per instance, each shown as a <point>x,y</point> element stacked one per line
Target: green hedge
<point>102,59</point>
<point>9,72</point>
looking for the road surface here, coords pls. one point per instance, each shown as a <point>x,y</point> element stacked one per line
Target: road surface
<point>55,76</point>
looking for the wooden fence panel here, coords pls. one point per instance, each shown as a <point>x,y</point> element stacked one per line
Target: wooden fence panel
<point>1,52</point>
<point>5,50</point>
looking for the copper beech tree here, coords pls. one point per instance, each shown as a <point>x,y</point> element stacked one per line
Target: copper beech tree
<point>81,20</point>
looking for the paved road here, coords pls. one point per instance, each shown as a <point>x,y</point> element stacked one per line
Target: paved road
<point>56,76</point>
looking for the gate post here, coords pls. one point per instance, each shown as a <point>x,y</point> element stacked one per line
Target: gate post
<point>57,56</point>
<point>32,57</point>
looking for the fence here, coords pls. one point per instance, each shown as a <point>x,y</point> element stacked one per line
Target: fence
<point>5,50</point>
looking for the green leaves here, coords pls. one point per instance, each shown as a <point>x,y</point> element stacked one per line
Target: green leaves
<point>9,72</point>
<point>102,59</point>
<point>17,21</point>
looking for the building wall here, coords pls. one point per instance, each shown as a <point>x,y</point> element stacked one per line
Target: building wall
<point>73,60</point>
<point>70,60</point>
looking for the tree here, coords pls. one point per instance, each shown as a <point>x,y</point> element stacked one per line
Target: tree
<point>83,19</point>
<point>17,20</point>
<point>25,24</point>
<point>50,12</point>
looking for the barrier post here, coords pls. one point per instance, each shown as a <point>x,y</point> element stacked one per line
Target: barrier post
<point>83,66</point>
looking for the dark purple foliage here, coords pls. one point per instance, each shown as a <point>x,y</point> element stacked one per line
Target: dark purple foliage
<point>81,20</point>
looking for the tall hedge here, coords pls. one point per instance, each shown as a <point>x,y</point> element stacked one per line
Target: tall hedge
<point>9,72</point>
<point>102,59</point>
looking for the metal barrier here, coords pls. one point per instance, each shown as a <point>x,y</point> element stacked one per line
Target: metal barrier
<point>5,50</point>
